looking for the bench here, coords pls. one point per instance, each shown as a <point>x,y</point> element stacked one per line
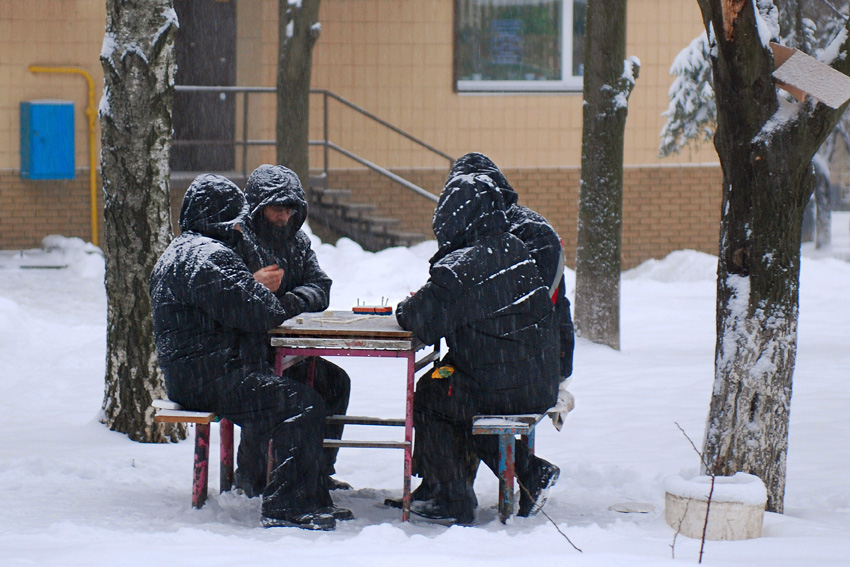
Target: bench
<point>507,427</point>
<point>171,412</point>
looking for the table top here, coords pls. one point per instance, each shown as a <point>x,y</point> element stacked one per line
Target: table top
<point>342,324</point>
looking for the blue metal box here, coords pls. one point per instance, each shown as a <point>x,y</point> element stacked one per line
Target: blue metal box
<point>47,139</point>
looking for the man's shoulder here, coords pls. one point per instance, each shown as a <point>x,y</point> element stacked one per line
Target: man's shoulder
<point>302,240</point>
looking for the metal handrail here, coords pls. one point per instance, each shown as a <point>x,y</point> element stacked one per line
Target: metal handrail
<point>376,168</point>
<point>245,142</point>
<point>326,93</point>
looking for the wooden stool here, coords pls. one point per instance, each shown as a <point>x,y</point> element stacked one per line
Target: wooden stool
<point>507,427</point>
<point>171,412</point>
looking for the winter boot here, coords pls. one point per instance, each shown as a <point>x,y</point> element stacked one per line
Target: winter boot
<point>310,521</point>
<point>250,487</point>
<point>453,502</point>
<point>339,514</point>
<point>422,492</point>
<point>535,490</point>
<point>334,484</point>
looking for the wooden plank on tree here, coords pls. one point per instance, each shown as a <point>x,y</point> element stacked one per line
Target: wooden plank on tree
<point>802,74</point>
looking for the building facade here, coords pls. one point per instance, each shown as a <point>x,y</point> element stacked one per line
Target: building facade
<point>502,77</point>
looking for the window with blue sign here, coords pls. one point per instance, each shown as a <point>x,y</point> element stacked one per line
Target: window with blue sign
<point>519,45</point>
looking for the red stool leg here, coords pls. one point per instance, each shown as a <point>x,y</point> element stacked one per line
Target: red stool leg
<point>270,461</point>
<point>507,472</point>
<point>202,464</point>
<point>225,427</point>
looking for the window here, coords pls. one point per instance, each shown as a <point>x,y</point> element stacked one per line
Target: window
<point>519,45</point>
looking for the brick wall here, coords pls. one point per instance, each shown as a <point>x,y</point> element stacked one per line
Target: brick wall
<point>664,208</point>
<point>33,209</point>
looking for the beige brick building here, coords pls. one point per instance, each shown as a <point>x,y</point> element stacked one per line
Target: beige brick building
<point>400,60</point>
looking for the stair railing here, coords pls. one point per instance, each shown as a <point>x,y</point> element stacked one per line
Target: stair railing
<point>245,142</point>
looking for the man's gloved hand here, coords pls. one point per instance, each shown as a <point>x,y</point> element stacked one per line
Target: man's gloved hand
<point>565,404</point>
<point>293,304</point>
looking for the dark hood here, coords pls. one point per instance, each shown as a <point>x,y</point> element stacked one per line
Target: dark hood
<point>275,185</point>
<point>480,164</point>
<point>470,208</point>
<point>212,206</point>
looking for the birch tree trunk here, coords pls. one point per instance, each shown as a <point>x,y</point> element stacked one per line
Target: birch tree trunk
<point>298,32</point>
<point>608,82</point>
<point>138,65</point>
<point>766,156</point>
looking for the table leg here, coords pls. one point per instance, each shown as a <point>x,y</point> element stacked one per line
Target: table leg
<point>408,437</point>
<point>278,361</point>
<point>311,371</point>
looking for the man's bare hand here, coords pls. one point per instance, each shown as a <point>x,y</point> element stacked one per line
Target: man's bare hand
<point>270,276</point>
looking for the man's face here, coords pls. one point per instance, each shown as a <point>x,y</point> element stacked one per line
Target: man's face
<point>278,215</point>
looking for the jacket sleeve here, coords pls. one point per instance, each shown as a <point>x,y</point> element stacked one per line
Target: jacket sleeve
<point>439,307</point>
<point>225,288</point>
<point>423,314</point>
<point>314,290</point>
<point>565,330</point>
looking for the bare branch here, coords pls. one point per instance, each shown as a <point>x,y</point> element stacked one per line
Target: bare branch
<point>527,493</point>
<point>713,475</point>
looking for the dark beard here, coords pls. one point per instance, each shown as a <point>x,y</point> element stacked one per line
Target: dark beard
<point>271,235</point>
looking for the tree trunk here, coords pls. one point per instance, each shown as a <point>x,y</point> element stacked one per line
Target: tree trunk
<point>608,82</point>
<point>138,65</point>
<point>298,33</point>
<point>767,181</point>
<point>823,213</point>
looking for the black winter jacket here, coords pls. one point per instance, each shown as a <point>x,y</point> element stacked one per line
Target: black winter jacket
<point>210,317</point>
<point>542,241</point>
<point>305,286</point>
<point>486,297</point>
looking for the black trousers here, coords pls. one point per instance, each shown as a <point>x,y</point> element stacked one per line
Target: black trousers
<point>333,385</point>
<point>445,450</point>
<point>291,415</point>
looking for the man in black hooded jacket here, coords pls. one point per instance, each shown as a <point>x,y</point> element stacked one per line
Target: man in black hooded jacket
<point>546,250</point>
<point>276,248</point>
<point>486,297</point>
<point>543,244</point>
<point>211,319</point>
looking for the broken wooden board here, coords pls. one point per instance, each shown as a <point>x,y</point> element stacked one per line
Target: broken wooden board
<point>802,75</point>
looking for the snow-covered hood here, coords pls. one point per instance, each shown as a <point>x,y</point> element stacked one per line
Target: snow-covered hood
<point>275,185</point>
<point>212,206</point>
<point>470,208</point>
<point>479,164</point>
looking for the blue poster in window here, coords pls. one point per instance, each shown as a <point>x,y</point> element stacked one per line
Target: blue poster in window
<point>506,42</point>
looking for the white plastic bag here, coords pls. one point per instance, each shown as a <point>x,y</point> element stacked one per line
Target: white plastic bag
<point>565,404</point>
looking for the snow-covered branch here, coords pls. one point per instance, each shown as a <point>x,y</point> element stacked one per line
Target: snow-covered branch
<point>692,113</point>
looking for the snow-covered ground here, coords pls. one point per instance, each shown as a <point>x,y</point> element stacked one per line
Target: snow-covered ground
<point>74,493</point>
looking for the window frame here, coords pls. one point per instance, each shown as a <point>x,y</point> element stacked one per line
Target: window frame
<point>569,84</point>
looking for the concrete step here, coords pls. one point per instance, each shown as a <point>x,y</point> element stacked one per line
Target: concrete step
<point>331,208</point>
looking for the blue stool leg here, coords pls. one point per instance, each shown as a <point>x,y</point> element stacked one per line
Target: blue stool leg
<point>507,472</point>
<point>529,441</point>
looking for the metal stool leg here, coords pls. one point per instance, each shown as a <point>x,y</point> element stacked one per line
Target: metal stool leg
<point>529,441</point>
<point>507,472</point>
<point>202,464</point>
<point>225,427</point>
